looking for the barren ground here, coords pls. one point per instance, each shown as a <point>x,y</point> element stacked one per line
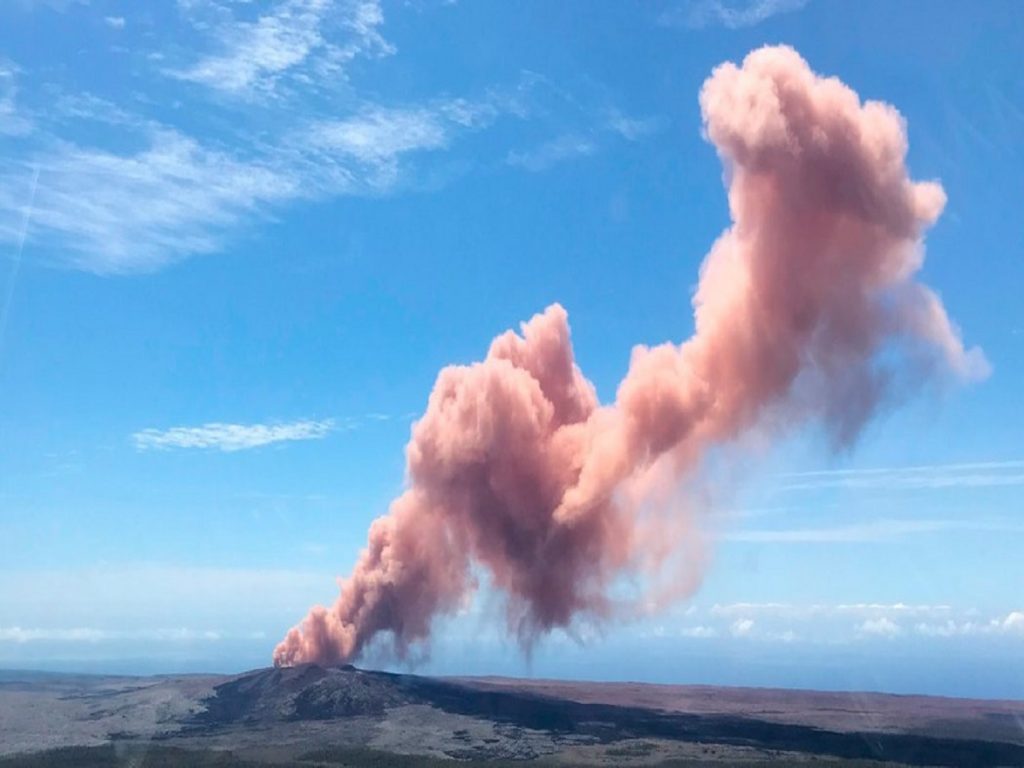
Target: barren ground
<point>343,716</point>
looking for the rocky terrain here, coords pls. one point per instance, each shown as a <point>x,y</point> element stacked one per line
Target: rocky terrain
<point>310,715</point>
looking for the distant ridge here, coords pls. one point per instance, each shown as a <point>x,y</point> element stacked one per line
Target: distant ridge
<point>311,692</point>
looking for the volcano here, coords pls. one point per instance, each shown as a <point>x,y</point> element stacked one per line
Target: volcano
<point>317,715</point>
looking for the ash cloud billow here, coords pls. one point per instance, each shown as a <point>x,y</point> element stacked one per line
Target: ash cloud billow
<point>807,311</point>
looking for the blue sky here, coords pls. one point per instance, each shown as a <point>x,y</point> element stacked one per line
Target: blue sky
<point>239,239</point>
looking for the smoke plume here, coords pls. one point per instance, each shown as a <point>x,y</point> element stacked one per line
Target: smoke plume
<point>807,310</point>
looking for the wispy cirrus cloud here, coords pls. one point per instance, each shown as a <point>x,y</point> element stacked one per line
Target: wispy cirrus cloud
<point>876,480</point>
<point>115,212</point>
<point>367,148</point>
<point>112,212</point>
<point>552,152</point>
<point>231,437</point>
<point>303,42</point>
<point>175,170</point>
<point>168,195</point>
<point>12,120</point>
<point>582,142</point>
<point>631,128</point>
<point>732,14</point>
<point>921,477</point>
<point>805,611</point>
<point>871,531</point>
<point>379,134</point>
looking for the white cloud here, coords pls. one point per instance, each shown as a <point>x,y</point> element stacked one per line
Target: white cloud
<point>844,622</point>
<point>631,128</point>
<point>379,135</point>
<point>881,627</point>
<point>110,212</point>
<point>365,150</point>
<point>373,151</point>
<point>133,212</point>
<point>307,41</point>
<point>86,106</point>
<point>552,152</point>
<point>114,22</point>
<point>732,14</point>
<point>231,437</point>
<point>949,628</point>
<point>20,635</point>
<point>143,193</point>
<point>701,632</point>
<point>742,627</point>
<point>1012,624</point>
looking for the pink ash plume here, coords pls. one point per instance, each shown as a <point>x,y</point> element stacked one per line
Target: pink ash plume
<point>806,310</point>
